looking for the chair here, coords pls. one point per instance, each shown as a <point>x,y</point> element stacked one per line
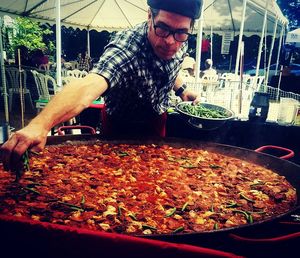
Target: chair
<point>74,65</point>
<point>68,79</point>
<point>64,72</point>
<point>44,67</point>
<point>13,82</point>
<point>260,83</point>
<point>227,80</point>
<point>77,73</point>
<point>210,77</point>
<point>46,88</point>
<point>209,85</point>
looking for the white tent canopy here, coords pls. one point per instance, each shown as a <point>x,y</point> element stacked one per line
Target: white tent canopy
<point>225,15</point>
<point>111,15</point>
<point>293,37</point>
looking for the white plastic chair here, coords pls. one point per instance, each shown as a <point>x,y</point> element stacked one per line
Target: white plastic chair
<point>44,67</point>
<point>260,81</point>
<point>13,82</point>
<point>227,80</point>
<point>210,84</point>
<point>67,79</point>
<point>210,77</point>
<point>74,65</point>
<point>76,73</point>
<point>46,88</point>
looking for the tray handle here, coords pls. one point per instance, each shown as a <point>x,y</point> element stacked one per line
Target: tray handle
<point>287,156</point>
<point>61,129</point>
<point>265,240</point>
<point>201,125</point>
<point>191,122</point>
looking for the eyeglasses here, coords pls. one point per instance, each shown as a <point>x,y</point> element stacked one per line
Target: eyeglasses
<point>164,32</point>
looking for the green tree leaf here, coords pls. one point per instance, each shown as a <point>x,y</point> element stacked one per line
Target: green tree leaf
<point>29,34</point>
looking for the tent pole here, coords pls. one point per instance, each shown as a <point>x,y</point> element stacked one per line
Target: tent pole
<point>58,44</point>
<point>5,95</point>
<point>279,49</point>
<point>211,34</point>
<point>271,50</point>
<point>211,43</point>
<point>88,43</point>
<point>240,90</point>
<point>277,63</point>
<point>199,44</point>
<point>240,37</point>
<point>261,43</point>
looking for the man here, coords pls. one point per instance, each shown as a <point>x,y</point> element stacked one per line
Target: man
<point>135,75</point>
<point>84,61</point>
<point>205,50</point>
<point>209,70</point>
<point>188,65</point>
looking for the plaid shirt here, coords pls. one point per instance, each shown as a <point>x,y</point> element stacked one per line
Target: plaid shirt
<point>139,82</point>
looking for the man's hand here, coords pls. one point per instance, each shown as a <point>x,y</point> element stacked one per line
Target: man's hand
<point>31,136</point>
<point>188,95</point>
<point>66,104</point>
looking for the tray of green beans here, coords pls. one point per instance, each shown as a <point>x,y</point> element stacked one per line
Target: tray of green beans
<point>204,115</point>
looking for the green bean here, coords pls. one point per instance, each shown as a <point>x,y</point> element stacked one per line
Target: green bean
<point>172,211</point>
<point>25,166</point>
<point>246,198</point>
<point>248,216</point>
<point>184,206</point>
<point>216,226</point>
<point>71,206</point>
<point>29,189</point>
<point>256,212</point>
<point>177,230</point>
<point>121,153</point>
<point>188,166</point>
<point>82,200</point>
<point>132,216</point>
<point>119,211</point>
<point>145,226</point>
<point>34,152</point>
<point>201,111</point>
<point>213,166</point>
<point>231,204</point>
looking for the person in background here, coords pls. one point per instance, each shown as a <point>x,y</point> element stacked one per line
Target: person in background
<point>209,70</point>
<point>188,64</point>
<point>24,56</point>
<point>38,58</point>
<point>186,72</point>
<point>136,74</point>
<point>205,50</point>
<point>79,57</point>
<point>84,62</point>
<point>63,59</point>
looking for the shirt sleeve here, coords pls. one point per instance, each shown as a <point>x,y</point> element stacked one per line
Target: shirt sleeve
<point>112,65</point>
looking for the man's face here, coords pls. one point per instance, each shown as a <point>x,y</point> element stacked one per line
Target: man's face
<point>166,48</point>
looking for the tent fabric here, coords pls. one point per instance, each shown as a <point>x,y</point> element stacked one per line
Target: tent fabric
<point>226,15</point>
<point>293,37</point>
<point>113,15</point>
<point>93,14</point>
